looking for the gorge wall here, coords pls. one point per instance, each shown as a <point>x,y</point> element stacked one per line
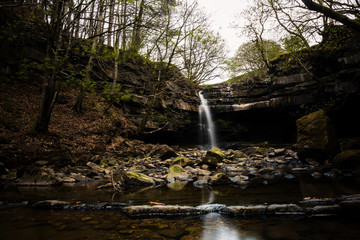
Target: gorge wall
<point>328,77</point>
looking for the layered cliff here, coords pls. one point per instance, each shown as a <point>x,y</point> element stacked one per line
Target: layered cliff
<point>327,77</point>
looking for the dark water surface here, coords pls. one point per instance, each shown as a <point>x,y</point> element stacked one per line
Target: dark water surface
<point>24,223</point>
<point>28,223</point>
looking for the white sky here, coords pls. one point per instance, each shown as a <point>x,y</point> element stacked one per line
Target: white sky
<point>222,14</point>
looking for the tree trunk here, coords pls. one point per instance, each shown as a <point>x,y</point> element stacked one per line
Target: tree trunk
<point>49,92</point>
<point>351,23</point>
<point>124,22</point>
<point>78,106</point>
<point>111,20</point>
<point>136,38</point>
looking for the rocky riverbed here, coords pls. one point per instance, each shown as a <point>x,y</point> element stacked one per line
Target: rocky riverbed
<point>250,166</point>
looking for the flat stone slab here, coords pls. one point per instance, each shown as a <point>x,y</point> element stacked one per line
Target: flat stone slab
<point>163,210</point>
<point>345,205</point>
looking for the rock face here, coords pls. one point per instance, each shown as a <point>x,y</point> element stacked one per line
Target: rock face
<point>262,109</point>
<point>316,137</point>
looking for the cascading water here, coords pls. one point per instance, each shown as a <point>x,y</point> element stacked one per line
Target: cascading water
<point>207,127</point>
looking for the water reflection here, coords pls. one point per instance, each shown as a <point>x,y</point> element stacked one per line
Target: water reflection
<point>216,227</point>
<point>207,197</point>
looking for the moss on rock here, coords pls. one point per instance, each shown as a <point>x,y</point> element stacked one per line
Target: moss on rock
<point>175,173</point>
<point>220,179</point>
<point>183,161</point>
<point>316,137</point>
<point>349,159</point>
<point>132,179</point>
<point>213,156</point>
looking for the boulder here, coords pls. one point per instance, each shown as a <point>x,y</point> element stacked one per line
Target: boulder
<point>213,156</point>
<point>219,179</point>
<point>183,161</point>
<point>316,137</point>
<point>163,152</point>
<point>177,173</point>
<point>132,179</point>
<point>349,159</point>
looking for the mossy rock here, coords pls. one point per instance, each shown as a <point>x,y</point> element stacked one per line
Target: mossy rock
<point>177,173</point>
<point>316,137</point>
<point>133,179</point>
<point>349,159</point>
<point>256,150</point>
<point>220,179</point>
<point>183,161</point>
<point>213,156</point>
<point>239,154</point>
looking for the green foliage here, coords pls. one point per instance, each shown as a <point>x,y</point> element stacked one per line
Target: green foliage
<point>335,37</point>
<point>249,58</point>
<point>293,43</point>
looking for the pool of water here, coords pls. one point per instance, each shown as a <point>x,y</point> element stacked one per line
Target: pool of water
<point>28,223</point>
<point>25,223</point>
<point>184,193</point>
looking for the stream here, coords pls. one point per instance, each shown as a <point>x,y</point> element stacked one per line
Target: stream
<point>26,222</point>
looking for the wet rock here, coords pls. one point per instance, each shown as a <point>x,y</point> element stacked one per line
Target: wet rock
<point>299,170</point>
<point>163,152</point>
<point>238,155</point>
<point>161,210</point>
<point>183,161</point>
<point>132,179</point>
<point>285,209</point>
<point>51,204</point>
<point>258,152</point>
<point>233,169</point>
<point>316,137</point>
<point>266,171</point>
<point>219,179</point>
<point>200,183</point>
<point>213,157</point>
<point>351,207</point>
<point>80,178</point>
<point>317,201</point>
<point>317,175</point>
<point>349,159</point>
<point>333,173</point>
<point>250,211</point>
<point>198,171</point>
<point>68,180</point>
<point>326,210</point>
<point>218,208</point>
<point>177,173</point>
<point>289,176</point>
<point>97,168</point>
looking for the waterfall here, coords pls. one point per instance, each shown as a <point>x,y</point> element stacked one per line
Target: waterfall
<point>207,127</point>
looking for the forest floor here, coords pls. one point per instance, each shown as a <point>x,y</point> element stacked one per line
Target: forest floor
<point>70,135</point>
